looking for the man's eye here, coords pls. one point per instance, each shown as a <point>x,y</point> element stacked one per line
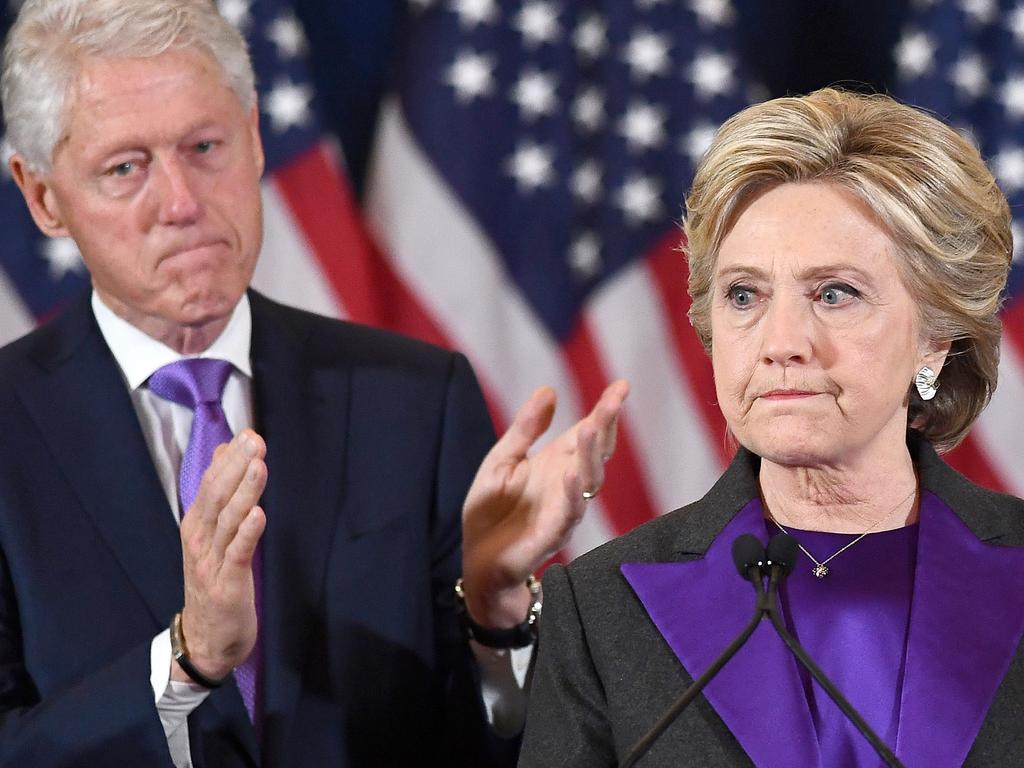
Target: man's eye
<point>204,146</point>
<point>122,169</point>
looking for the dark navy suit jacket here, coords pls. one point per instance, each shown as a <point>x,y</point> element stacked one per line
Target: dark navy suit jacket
<point>372,442</point>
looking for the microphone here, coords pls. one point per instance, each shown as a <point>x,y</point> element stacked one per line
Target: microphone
<point>780,559</point>
<point>753,562</point>
<point>749,556</point>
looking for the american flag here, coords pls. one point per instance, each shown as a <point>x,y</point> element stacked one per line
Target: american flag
<point>527,184</point>
<point>964,61</point>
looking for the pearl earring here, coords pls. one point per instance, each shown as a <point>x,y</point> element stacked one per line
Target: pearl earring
<point>926,383</point>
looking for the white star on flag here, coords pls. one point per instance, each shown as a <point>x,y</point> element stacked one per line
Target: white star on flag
<point>647,54</point>
<point>588,109</point>
<point>586,182</point>
<point>643,126</point>
<point>711,74</point>
<point>236,12</point>
<point>713,13</point>
<point>697,140</point>
<point>969,76</point>
<point>538,23</point>
<point>639,199</point>
<point>534,94</point>
<point>1011,94</point>
<point>63,256</point>
<point>471,75</point>
<point>287,34</point>
<point>473,13</point>
<point>979,11</point>
<point>585,256</point>
<point>288,105</point>
<point>591,37</point>
<point>1008,166</point>
<point>532,166</point>
<point>1015,23</point>
<point>914,54</point>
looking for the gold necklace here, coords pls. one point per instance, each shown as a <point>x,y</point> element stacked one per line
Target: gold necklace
<point>820,569</point>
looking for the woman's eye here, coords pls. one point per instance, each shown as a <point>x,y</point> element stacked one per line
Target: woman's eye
<point>741,296</point>
<point>836,294</point>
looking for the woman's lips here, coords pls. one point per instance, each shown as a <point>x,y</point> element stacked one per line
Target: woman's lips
<point>787,394</point>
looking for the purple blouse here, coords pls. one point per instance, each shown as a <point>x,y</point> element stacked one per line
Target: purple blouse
<point>917,627</point>
<point>854,623</point>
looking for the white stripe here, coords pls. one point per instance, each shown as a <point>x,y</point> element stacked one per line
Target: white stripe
<point>673,446</point>
<point>454,270</point>
<point>288,270</point>
<point>15,318</point>
<point>998,428</point>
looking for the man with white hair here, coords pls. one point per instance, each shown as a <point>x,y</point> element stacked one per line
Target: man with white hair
<point>305,612</point>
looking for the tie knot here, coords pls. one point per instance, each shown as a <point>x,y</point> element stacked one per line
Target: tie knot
<point>191,381</point>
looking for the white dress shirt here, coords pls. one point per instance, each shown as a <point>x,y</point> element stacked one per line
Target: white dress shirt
<point>166,427</point>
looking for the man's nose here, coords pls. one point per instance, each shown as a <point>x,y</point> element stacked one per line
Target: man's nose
<point>175,189</point>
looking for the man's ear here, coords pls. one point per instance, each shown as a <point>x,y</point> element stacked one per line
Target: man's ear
<point>39,195</point>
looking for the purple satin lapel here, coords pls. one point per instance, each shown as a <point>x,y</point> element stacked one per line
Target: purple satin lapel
<point>966,621</point>
<point>699,607</point>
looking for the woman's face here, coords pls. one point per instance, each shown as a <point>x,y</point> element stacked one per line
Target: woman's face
<point>815,340</point>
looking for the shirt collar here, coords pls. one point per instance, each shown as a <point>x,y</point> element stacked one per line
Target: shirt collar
<point>139,355</point>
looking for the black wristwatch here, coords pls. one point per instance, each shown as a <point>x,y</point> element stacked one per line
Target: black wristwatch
<point>519,636</point>
<point>180,653</point>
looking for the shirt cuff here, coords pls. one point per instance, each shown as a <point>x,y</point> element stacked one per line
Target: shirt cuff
<point>504,682</point>
<point>175,701</point>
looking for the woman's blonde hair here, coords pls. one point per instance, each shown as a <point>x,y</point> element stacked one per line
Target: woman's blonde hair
<point>927,185</point>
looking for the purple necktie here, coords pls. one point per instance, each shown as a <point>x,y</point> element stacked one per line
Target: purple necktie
<point>197,383</point>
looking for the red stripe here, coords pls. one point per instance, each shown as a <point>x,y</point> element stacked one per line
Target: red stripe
<point>668,267</point>
<point>624,493</point>
<point>970,459</point>
<point>1013,325</point>
<point>358,273</point>
<point>321,203</point>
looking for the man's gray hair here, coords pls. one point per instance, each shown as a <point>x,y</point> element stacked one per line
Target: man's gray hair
<point>51,37</point>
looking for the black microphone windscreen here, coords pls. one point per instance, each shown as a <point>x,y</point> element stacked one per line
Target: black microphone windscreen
<point>783,552</point>
<point>747,551</point>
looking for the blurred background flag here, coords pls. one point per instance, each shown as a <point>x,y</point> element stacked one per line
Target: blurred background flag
<point>964,60</point>
<point>526,184</point>
<point>522,165</point>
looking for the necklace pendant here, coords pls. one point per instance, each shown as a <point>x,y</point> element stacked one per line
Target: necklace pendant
<point>820,570</point>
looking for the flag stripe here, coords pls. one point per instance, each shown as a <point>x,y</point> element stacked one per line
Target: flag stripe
<point>670,278</point>
<point>676,454</point>
<point>624,493</point>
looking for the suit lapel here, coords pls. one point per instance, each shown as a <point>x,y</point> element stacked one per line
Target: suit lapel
<point>302,414</point>
<point>80,403</point>
<point>699,607</point>
<point>966,622</point>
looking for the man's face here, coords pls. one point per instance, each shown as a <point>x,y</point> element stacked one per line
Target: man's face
<point>157,181</point>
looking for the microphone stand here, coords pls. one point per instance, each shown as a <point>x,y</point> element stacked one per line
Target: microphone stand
<point>760,609</point>
<point>772,612</point>
<point>780,562</point>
